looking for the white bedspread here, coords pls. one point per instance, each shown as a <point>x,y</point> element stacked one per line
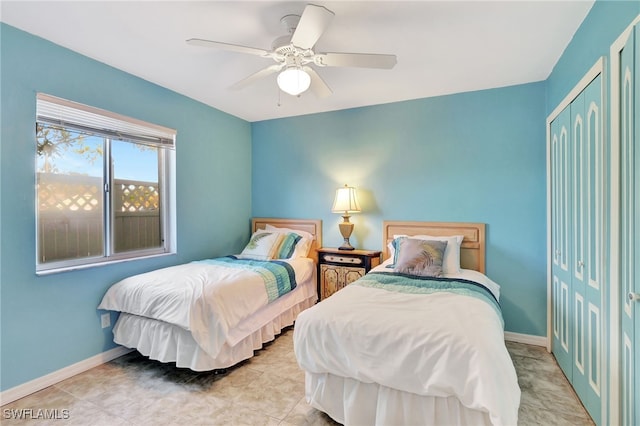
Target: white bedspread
<point>439,344</point>
<point>207,300</point>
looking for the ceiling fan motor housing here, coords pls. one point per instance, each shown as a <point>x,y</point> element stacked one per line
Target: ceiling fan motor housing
<point>291,55</point>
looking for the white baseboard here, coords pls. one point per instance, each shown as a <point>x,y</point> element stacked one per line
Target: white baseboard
<point>528,339</point>
<point>40,383</point>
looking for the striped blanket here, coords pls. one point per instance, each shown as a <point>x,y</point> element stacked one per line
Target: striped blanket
<point>279,277</point>
<point>404,283</point>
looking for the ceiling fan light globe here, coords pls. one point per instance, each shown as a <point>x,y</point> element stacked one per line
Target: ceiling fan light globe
<point>294,81</point>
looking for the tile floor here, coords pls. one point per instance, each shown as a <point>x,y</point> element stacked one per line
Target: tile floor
<point>265,390</point>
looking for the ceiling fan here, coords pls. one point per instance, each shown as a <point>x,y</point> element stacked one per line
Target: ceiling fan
<point>294,54</point>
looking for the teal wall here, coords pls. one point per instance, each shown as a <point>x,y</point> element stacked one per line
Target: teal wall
<point>50,322</point>
<point>475,157</point>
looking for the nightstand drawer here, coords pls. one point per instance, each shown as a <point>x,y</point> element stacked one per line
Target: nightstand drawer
<point>343,259</point>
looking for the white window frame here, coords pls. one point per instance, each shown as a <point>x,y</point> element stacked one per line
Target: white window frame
<point>60,112</point>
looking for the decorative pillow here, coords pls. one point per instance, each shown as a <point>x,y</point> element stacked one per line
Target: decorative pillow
<point>451,262</point>
<point>287,246</point>
<point>419,257</point>
<point>302,246</point>
<point>263,245</point>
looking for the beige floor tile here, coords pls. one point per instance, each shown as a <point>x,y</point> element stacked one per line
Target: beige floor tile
<point>237,415</point>
<point>225,386</point>
<point>530,351</point>
<point>49,406</point>
<point>84,410</point>
<point>531,415</point>
<point>49,398</point>
<point>271,394</point>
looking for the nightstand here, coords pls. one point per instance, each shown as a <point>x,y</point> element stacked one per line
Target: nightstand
<point>339,268</point>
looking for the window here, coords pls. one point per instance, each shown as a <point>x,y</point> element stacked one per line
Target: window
<point>105,186</point>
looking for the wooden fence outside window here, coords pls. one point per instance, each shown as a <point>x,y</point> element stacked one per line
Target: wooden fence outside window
<point>70,216</point>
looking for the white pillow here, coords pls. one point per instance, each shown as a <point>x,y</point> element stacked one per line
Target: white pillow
<point>451,261</point>
<point>302,247</point>
<point>262,245</point>
<point>303,234</point>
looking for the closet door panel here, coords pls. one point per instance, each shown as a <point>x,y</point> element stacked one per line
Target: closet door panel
<point>579,203</point>
<point>629,223</point>
<point>593,250</point>
<point>560,239</point>
<point>636,281</point>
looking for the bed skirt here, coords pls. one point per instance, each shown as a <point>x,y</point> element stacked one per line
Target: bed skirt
<point>166,342</point>
<point>352,402</point>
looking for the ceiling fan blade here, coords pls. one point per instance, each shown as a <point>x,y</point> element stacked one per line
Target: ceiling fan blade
<point>318,86</point>
<point>362,60</point>
<point>228,46</point>
<point>256,76</point>
<point>313,22</point>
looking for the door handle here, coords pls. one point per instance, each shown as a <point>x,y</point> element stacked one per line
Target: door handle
<point>634,297</point>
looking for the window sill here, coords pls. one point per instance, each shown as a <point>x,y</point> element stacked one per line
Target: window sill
<point>98,264</point>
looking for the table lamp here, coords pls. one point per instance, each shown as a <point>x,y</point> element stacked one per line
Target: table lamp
<point>345,203</point>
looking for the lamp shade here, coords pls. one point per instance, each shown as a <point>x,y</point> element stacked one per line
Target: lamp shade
<point>346,201</point>
<point>293,81</point>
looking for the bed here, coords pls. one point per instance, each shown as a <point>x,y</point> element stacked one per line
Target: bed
<point>211,314</point>
<point>392,348</point>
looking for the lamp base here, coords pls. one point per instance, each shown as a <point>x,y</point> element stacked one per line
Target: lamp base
<point>346,245</point>
<point>346,228</point>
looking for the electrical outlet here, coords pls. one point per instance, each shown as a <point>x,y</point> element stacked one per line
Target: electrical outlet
<point>105,320</point>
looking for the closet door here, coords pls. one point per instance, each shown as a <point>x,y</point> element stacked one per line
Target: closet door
<point>591,250</point>
<point>630,228</point>
<point>577,154</point>
<point>560,225</point>
<point>579,205</point>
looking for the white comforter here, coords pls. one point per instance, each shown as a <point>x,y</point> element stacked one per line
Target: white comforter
<point>207,300</point>
<point>439,344</point>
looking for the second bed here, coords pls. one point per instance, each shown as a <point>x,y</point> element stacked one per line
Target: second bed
<point>396,348</point>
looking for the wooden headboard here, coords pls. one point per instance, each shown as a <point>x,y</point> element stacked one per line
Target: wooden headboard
<point>472,250</point>
<point>312,226</point>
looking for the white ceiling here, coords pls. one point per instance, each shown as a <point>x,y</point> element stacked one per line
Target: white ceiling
<point>442,47</point>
